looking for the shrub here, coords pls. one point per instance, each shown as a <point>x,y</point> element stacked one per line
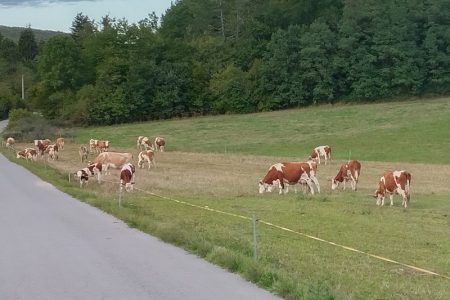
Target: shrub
<point>29,127</point>
<point>18,113</point>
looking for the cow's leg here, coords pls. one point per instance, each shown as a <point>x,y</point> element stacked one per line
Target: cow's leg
<point>402,193</point>
<point>310,185</point>
<point>316,182</point>
<point>391,197</point>
<point>344,183</point>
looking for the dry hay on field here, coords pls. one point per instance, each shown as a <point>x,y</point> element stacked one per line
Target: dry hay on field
<point>232,175</point>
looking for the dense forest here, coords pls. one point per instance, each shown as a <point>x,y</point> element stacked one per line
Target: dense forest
<point>230,56</point>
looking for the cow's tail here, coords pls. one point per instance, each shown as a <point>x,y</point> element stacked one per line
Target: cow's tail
<point>408,183</point>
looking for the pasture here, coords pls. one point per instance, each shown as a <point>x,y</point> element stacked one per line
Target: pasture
<point>217,162</point>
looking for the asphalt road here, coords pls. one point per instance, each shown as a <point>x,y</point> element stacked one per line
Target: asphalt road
<point>55,247</point>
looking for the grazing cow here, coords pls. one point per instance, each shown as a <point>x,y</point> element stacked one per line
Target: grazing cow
<point>286,173</point>
<point>90,171</point>
<point>394,182</point>
<point>127,176</point>
<point>349,171</point>
<point>10,142</point>
<point>83,152</point>
<point>160,144</point>
<point>113,160</point>
<point>28,154</point>
<point>146,156</point>
<point>324,151</point>
<point>60,143</point>
<point>52,151</point>
<point>143,143</point>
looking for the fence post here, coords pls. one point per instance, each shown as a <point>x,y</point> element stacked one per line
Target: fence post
<point>254,236</point>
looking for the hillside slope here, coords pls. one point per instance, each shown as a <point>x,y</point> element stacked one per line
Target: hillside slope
<point>413,131</point>
<point>13,33</point>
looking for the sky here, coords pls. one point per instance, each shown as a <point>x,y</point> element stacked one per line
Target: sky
<point>58,14</point>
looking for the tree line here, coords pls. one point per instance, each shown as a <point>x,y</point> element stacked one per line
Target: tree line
<point>229,56</point>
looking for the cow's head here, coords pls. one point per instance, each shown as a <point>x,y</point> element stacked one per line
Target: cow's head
<point>265,187</point>
<point>334,184</point>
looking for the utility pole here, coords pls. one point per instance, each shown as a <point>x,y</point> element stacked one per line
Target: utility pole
<point>23,89</point>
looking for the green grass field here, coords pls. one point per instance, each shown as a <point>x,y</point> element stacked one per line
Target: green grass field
<point>217,162</point>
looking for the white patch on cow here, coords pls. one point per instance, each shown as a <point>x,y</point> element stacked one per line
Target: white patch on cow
<point>278,166</point>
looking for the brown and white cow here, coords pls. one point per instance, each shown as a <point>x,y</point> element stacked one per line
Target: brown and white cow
<point>394,182</point>
<point>146,156</point>
<point>91,170</point>
<point>127,177</point>
<point>160,144</point>
<point>102,146</point>
<point>143,143</point>
<point>113,159</point>
<point>60,143</point>
<point>98,146</point>
<point>10,142</point>
<point>285,174</point>
<point>348,171</point>
<point>52,151</point>
<point>28,154</point>
<point>321,151</point>
<point>92,145</point>
<point>41,146</point>
<point>83,152</point>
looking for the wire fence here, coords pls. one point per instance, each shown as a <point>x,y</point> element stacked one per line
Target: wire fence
<point>254,220</point>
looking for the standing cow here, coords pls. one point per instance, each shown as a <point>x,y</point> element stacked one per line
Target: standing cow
<point>349,171</point>
<point>321,151</point>
<point>113,160</point>
<point>83,152</point>
<point>160,144</point>
<point>146,156</point>
<point>289,173</point>
<point>394,182</point>
<point>127,176</point>
<point>42,146</point>
<point>52,151</point>
<point>94,169</point>
<point>143,143</point>
<point>60,143</point>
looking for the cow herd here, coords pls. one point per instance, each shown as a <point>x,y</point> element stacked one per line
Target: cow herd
<point>106,160</point>
<point>282,175</point>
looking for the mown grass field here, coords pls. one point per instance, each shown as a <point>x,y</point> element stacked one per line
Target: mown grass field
<point>217,162</point>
